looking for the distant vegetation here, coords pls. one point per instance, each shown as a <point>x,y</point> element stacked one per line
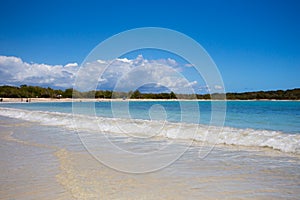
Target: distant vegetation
<point>293,94</point>
<point>25,91</point>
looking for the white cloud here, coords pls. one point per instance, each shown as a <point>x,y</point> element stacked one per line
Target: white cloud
<point>71,65</point>
<point>14,71</point>
<point>130,74</point>
<point>169,61</point>
<point>120,74</point>
<point>204,88</point>
<point>189,65</point>
<point>218,87</point>
<point>211,89</point>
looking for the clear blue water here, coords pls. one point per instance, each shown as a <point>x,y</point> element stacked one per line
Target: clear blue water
<point>244,163</point>
<point>264,115</point>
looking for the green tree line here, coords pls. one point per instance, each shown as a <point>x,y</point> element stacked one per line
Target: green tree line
<point>25,91</point>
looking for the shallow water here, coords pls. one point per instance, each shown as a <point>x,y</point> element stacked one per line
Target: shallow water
<point>84,119</point>
<point>149,150</point>
<point>283,116</point>
<point>48,161</point>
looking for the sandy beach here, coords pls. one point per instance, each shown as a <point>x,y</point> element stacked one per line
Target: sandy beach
<point>165,100</point>
<point>48,152</point>
<point>47,162</point>
<point>24,100</point>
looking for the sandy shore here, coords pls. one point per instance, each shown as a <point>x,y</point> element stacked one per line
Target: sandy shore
<point>24,100</point>
<point>49,162</point>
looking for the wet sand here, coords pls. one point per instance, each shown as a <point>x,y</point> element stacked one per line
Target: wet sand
<point>48,162</point>
<point>23,100</point>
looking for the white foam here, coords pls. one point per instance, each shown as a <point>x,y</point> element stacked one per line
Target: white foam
<point>147,129</point>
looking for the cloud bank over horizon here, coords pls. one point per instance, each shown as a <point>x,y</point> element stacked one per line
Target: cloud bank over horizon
<point>121,74</point>
<point>14,71</point>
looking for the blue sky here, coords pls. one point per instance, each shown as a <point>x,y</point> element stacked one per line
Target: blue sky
<point>255,43</point>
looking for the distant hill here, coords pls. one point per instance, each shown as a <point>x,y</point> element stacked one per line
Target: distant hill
<point>293,94</point>
<point>25,91</point>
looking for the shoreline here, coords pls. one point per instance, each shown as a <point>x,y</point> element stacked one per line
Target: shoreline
<point>63,169</point>
<point>49,100</point>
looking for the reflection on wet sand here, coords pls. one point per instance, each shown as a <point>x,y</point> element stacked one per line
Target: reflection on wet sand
<point>48,162</point>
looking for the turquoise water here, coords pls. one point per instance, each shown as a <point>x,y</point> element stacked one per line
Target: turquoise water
<point>49,162</point>
<point>281,116</point>
<point>64,151</point>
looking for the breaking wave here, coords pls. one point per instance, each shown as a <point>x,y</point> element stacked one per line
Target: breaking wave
<point>147,129</point>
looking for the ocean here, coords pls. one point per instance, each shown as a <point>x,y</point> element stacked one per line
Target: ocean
<point>150,150</point>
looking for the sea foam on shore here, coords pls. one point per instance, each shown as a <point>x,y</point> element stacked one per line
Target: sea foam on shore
<point>202,133</point>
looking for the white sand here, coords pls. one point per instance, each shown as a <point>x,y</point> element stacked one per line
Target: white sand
<point>23,100</point>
